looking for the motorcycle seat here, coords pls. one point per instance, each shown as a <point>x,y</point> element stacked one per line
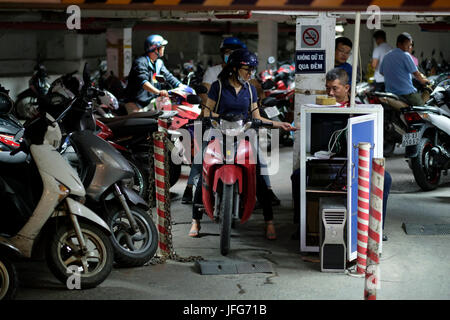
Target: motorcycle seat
<point>136,115</point>
<point>391,100</point>
<point>269,102</point>
<point>386,94</point>
<point>133,126</point>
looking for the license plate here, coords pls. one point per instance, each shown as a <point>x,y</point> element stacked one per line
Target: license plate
<point>271,112</point>
<point>410,139</point>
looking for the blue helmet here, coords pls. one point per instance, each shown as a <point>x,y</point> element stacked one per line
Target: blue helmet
<point>232,43</point>
<point>153,42</point>
<point>242,57</point>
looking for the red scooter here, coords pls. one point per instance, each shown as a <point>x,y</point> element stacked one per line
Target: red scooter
<point>229,176</point>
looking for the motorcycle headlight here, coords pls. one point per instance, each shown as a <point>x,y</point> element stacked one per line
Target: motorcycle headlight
<point>231,128</point>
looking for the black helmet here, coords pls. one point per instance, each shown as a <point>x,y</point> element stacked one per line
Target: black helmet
<point>242,57</point>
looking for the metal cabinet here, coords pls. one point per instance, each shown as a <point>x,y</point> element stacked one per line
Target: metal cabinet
<point>363,123</point>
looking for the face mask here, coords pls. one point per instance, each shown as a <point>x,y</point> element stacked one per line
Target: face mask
<point>225,58</point>
<point>240,79</point>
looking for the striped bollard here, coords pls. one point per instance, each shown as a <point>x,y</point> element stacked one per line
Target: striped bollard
<point>162,188</point>
<point>363,205</point>
<point>375,229</point>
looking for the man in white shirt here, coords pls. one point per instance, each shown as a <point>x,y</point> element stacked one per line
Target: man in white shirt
<point>227,46</point>
<point>377,57</point>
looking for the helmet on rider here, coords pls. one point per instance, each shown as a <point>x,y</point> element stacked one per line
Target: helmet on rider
<point>238,59</point>
<point>230,44</point>
<point>154,42</point>
<point>242,57</point>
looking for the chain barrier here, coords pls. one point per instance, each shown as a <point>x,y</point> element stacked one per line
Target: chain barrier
<point>162,195</point>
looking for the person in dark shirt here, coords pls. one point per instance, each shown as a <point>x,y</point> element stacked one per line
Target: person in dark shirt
<point>142,84</point>
<point>233,94</point>
<point>343,50</point>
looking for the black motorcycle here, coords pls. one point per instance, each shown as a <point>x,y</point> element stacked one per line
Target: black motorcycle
<point>26,103</point>
<point>427,140</point>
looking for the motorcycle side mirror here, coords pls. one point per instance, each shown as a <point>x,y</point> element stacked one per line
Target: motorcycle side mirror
<point>193,99</point>
<point>86,76</point>
<point>269,84</point>
<point>200,89</point>
<point>160,78</point>
<point>271,60</point>
<point>19,135</point>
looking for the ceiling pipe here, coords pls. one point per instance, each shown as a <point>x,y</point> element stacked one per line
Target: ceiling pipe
<point>244,16</point>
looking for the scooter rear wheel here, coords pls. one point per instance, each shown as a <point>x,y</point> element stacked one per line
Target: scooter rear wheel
<point>65,259</point>
<point>8,279</point>
<point>226,216</point>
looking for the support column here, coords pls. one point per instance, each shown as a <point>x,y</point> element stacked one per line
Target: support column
<point>73,53</point>
<point>314,37</point>
<point>73,46</point>
<point>267,42</point>
<point>118,51</point>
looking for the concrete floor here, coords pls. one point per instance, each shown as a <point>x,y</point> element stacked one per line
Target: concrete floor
<point>412,267</point>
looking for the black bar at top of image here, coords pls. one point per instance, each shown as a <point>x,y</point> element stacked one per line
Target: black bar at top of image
<point>238,2</point>
<point>192,1</point>
<point>299,2</point>
<point>417,3</point>
<point>357,3</point>
<point>95,1</point>
<point>142,1</point>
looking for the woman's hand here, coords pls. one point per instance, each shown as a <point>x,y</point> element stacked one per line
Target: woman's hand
<point>163,93</point>
<point>284,125</point>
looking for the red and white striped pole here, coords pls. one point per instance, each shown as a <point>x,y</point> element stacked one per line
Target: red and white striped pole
<point>375,229</point>
<point>162,194</point>
<point>363,205</point>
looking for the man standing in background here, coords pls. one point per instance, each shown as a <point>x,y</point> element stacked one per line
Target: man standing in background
<point>377,57</point>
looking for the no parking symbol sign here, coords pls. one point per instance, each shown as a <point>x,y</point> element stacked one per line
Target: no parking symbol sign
<point>311,36</point>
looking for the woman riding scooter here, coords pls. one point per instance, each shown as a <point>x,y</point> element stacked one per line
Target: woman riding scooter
<point>232,94</point>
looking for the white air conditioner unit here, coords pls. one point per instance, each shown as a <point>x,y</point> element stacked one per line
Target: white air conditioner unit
<point>333,213</point>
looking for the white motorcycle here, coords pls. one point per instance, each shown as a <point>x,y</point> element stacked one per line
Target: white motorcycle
<point>43,211</point>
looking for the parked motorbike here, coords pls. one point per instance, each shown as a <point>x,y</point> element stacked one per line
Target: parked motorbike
<point>42,198</point>
<point>110,83</point>
<point>104,173</point>
<point>229,176</point>
<point>279,89</point>
<point>26,102</point>
<point>394,124</point>
<point>427,140</point>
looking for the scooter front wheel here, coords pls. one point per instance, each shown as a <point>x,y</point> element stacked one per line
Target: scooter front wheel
<point>132,249</point>
<point>8,279</point>
<point>226,216</point>
<point>67,261</point>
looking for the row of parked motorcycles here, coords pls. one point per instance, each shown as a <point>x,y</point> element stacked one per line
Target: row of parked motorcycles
<point>74,178</point>
<point>278,84</point>
<point>424,131</point>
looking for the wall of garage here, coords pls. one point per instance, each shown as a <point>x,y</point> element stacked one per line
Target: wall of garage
<point>21,48</point>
